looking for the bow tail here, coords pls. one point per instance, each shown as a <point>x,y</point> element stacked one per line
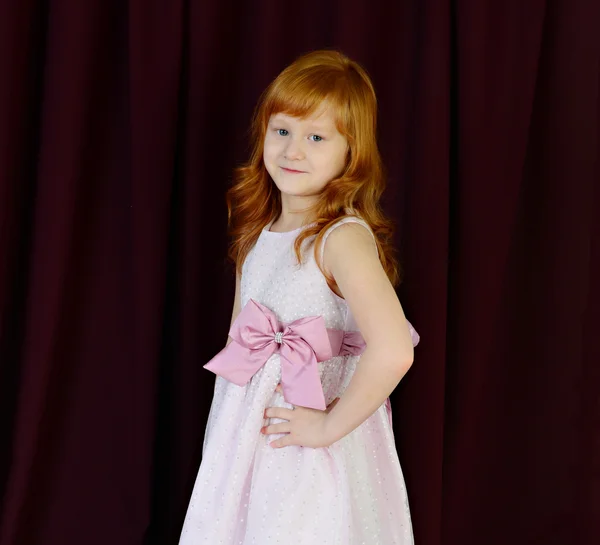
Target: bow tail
<point>238,363</point>
<point>300,379</point>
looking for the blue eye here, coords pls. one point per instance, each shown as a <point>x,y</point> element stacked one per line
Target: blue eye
<point>281,132</point>
<point>317,138</point>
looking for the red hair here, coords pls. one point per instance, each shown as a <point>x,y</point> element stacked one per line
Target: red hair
<point>254,200</point>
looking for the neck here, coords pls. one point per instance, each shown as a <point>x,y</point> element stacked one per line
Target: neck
<point>294,212</point>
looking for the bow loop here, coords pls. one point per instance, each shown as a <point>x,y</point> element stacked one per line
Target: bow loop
<point>255,327</point>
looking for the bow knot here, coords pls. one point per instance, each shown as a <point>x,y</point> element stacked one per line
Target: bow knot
<point>257,334</point>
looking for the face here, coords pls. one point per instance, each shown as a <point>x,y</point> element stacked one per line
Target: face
<point>302,155</point>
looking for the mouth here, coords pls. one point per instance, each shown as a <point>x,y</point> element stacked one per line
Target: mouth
<point>292,171</point>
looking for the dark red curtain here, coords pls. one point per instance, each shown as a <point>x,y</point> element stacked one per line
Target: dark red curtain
<point>120,124</point>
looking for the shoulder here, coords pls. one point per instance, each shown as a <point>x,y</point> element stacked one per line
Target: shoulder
<point>350,229</point>
<point>349,238</point>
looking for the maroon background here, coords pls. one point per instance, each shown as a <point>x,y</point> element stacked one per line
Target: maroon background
<point>120,123</point>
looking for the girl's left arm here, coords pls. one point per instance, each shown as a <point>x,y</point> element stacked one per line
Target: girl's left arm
<point>351,257</point>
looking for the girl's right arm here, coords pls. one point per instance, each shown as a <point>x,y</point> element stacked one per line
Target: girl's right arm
<point>237,304</point>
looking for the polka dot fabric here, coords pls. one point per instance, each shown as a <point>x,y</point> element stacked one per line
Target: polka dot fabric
<point>248,493</point>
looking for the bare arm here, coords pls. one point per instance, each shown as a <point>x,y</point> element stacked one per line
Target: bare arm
<point>237,304</point>
<point>350,255</point>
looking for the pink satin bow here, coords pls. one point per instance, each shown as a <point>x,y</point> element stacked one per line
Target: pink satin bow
<point>257,335</point>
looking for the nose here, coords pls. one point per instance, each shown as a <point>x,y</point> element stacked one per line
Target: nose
<point>293,150</point>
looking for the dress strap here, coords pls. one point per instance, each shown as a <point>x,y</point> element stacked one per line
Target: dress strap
<point>342,221</point>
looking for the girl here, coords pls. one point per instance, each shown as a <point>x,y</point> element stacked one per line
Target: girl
<point>299,447</point>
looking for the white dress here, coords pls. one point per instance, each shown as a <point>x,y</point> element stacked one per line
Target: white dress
<point>248,493</point>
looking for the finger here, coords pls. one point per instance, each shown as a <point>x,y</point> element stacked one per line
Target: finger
<point>282,427</point>
<point>283,442</point>
<point>279,412</point>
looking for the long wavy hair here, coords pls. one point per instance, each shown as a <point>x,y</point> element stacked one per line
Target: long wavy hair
<point>254,200</point>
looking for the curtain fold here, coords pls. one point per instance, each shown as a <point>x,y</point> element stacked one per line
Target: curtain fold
<point>120,125</point>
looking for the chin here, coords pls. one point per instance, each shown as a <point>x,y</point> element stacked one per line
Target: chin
<point>290,188</point>
<point>294,193</point>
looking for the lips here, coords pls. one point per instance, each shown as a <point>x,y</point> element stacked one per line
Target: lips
<point>292,171</point>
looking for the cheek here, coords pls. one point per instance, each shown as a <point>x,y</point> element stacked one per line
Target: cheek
<point>334,163</point>
<point>270,157</point>
<point>270,150</point>
<point>266,149</point>
<point>343,157</point>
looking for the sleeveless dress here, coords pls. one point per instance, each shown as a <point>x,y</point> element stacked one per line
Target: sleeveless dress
<point>248,493</point>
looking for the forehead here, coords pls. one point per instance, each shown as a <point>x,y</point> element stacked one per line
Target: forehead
<point>322,118</point>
